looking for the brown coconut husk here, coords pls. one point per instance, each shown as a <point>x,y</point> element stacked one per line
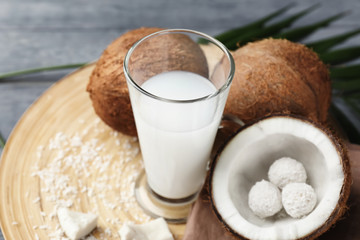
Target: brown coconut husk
<point>108,88</point>
<point>278,76</point>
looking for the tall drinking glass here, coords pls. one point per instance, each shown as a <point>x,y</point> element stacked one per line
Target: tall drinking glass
<point>178,83</point>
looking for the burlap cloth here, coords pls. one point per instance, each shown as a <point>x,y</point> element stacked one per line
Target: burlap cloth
<point>203,224</point>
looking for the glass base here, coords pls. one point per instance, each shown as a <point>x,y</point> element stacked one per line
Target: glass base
<point>172,210</point>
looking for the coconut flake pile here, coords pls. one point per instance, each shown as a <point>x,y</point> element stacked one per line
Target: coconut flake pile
<point>75,170</point>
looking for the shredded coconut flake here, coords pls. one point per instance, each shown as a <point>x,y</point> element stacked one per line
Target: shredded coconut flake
<point>66,174</point>
<point>44,227</point>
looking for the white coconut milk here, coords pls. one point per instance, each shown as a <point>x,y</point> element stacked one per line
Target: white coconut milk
<point>176,138</point>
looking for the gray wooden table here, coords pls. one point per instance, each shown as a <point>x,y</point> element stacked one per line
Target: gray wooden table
<point>40,33</point>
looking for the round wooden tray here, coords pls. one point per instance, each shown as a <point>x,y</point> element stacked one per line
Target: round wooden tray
<point>61,154</point>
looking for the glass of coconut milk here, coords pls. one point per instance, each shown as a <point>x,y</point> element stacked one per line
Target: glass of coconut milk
<point>178,82</point>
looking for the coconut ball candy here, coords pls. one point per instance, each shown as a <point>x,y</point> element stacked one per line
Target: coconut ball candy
<point>286,170</point>
<point>298,199</point>
<point>265,199</point>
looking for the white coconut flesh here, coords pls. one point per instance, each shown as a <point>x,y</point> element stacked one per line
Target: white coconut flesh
<point>246,159</point>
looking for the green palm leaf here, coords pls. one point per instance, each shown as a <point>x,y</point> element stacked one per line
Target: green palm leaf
<point>267,31</point>
<point>346,85</point>
<point>36,70</point>
<point>322,46</point>
<point>346,121</point>
<point>352,103</point>
<point>340,55</point>
<point>233,33</point>
<point>300,33</point>
<point>346,72</point>
<point>2,141</point>
<point>353,94</point>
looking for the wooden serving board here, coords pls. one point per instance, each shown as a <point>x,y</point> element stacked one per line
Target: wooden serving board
<point>61,154</point>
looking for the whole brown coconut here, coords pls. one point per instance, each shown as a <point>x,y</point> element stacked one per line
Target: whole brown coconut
<point>278,76</point>
<point>108,88</point>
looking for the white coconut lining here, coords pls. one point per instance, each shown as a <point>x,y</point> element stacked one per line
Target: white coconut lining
<point>246,160</point>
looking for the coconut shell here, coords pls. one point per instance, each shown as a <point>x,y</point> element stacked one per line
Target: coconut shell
<point>108,88</point>
<point>279,76</point>
<point>342,207</point>
<point>341,149</point>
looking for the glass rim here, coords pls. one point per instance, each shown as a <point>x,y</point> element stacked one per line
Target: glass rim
<point>180,30</point>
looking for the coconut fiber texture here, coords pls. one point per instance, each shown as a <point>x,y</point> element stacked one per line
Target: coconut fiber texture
<point>278,76</point>
<point>204,225</point>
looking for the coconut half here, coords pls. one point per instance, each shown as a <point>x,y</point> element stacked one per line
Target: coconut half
<point>245,160</point>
